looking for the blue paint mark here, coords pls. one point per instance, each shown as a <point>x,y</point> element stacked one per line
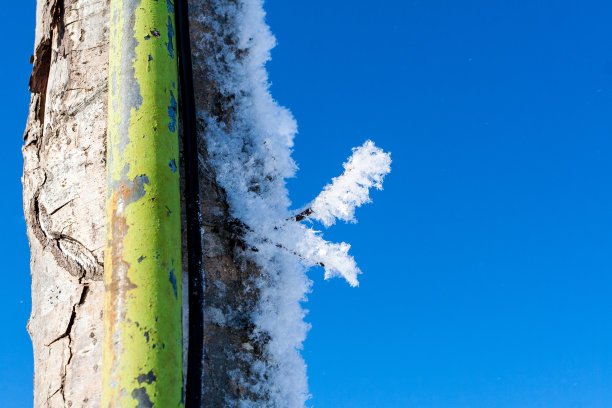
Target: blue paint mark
<point>173,282</point>
<point>172,165</point>
<point>170,35</point>
<point>148,378</point>
<point>140,395</point>
<point>170,6</point>
<point>172,113</point>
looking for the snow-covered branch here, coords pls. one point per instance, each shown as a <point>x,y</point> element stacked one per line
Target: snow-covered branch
<point>365,169</point>
<point>334,258</point>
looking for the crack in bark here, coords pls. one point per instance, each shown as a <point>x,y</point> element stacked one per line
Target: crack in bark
<point>57,13</point>
<point>40,76</point>
<point>72,317</point>
<point>61,206</point>
<point>68,334</point>
<point>42,60</point>
<point>55,393</point>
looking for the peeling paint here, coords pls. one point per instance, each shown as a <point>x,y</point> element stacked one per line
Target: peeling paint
<point>141,396</point>
<point>140,309</point>
<point>148,378</point>
<point>173,281</point>
<point>169,44</point>
<point>172,112</point>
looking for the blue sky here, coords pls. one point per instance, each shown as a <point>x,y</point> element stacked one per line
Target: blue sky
<point>487,262</point>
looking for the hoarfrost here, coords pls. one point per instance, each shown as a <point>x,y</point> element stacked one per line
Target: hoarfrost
<point>250,150</point>
<point>366,168</point>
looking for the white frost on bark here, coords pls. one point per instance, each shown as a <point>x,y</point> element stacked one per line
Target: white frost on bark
<point>250,145</point>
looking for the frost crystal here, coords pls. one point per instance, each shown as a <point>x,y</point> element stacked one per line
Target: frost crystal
<point>365,169</point>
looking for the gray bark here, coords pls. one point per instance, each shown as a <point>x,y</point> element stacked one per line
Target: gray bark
<point>64,183</point>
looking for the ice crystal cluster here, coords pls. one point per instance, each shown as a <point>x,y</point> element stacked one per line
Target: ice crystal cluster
<point>251,155</point>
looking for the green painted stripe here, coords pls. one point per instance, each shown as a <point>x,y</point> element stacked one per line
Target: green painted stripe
<point>142,353</point>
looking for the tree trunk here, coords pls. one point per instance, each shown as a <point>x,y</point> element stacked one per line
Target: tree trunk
<point>64,184</point>
<point>64,194</point>
<point>229,349</point>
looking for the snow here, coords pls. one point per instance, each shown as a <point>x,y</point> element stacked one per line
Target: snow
<point>251,155</point>
<point>365,169</point>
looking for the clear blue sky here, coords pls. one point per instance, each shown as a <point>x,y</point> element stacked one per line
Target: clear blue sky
<point>488,258</point>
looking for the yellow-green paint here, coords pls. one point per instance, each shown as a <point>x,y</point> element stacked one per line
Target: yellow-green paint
<point>142,352</point>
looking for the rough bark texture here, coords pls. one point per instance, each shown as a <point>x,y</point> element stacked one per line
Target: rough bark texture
<point>64,184</point>
<point>229,349</point>
<point>64,187</point>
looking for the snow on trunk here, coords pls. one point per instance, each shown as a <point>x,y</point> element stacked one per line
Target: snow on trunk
<point>249,139</point>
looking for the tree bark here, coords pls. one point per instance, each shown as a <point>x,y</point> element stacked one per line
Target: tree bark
<point>64,184</point>
<point>229,348</point>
